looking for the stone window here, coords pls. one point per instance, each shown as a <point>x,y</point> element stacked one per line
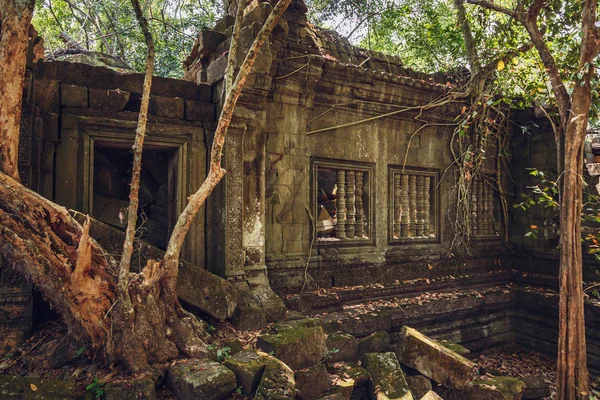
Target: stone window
<point>343,196</point>
<point>414,210</point>
<point>111,182</point>
<point>484,208</point>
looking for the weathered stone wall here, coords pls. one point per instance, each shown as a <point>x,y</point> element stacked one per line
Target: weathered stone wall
<point>81,108</point>
<point>313,92</point>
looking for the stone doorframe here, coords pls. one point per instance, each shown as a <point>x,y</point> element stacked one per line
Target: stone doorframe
<point>75,166</point>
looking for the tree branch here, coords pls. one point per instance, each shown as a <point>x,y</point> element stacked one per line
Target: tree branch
<point>138,146</point>
<point>232,60</point>
<point>494,7</point>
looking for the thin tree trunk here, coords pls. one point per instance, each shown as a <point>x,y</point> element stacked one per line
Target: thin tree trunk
<point>138,147</point>
<point>14,36</point>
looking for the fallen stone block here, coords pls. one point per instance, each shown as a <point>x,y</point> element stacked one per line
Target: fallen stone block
<point>298,347</point>
<point>432,359</point>
<point>248,367</point>
<point>495,388</point>
<point>419,385</point>
<point>374,343</point>
<point>387,378</point>
<point>136,389</point>
<point>277,382</point>
<point>201,380</point>
<point>25,388</point>
<point>345,344</point>
<point>455,347</point>
<point>535,387</point>
<point>312,382</point>
<point>431,395</point>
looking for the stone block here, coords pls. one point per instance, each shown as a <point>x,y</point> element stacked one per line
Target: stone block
<point>224,23</point>
<point>26,388</point>
<point>248,367</point>
<point>345,344</point>
<point>374,343</point>
<point>73,95</point>
<point>197,111</point>
<point>455,347</point>
<point>432,359</point>
<point>431,395</point>
<point>387,378</point>
<point>535,387</point>
<point>107,99</point>
<point>494,388</point>
<point>259,13</point>
<point>208,40</point>
<point>419,385</point>
<point>277,382</point>
<point>216,70</point>
<point>205,292</point>
<point>312,382</point>
<point>300,347</point>
<point>248,315</point>
<point>201,380</point>
<point>136,389</point>
<point>171,107</point>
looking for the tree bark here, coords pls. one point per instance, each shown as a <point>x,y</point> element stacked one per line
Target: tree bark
<point>15,18</point>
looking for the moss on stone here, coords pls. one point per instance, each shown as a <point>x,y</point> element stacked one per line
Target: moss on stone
<point>455,347</point>
<point>387,375</point>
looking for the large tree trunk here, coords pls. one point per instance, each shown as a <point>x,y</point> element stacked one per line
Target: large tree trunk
<point>140,322</point>
<point>15,18</point>
<point>573,380</point>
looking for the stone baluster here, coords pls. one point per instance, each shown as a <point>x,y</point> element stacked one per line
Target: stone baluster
<point>340,205</point>
<point>404,208</point>
<point>412,198</point>
<point>359,223</point>
<point>490,209</point>
<point>397,206</point>
<point>420,197</point>
<point>426,205</point>
<point>474,208</point>
<point>350,199</point>
<point>482,208</point>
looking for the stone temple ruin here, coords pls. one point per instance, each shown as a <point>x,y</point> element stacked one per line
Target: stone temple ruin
<point>318,211</point>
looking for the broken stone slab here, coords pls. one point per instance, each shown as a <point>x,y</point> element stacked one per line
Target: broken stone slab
<point>197,288</point>
<point>206,380</point>
<point>375,343</point>
<point>387,378</point>
<point>419,385</point>
<point>248,367</point>
<point>312,382</point>
<point>455,347</point>
<point>431,395</point>
<point>136,389</point>
<point>272,305</point>
<point>345,344</point>
<point>535,387</point>
<point>26,388</point>
<point>248,314</point>
<point>207,41</point>
<point>299,347</point>
<point>494,388</point>
<point>277,382</point>
<point>432,359</point>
